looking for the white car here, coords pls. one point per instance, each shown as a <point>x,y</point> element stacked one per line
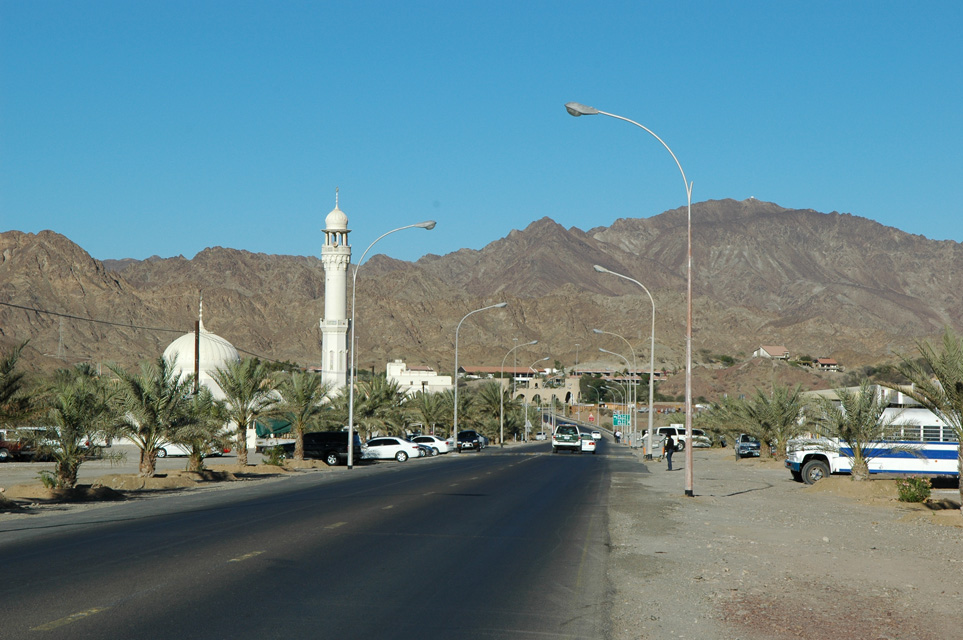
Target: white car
<point>169,449</point>
<point>597,435</point>
<point>541,435</point>
<point>586,443</point>
<point>436,444</point>
<point>388,447</point>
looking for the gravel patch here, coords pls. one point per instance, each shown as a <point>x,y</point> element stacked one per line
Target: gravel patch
<point>755,555</point>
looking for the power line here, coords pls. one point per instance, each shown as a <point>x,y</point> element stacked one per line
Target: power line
<point>214,338</point>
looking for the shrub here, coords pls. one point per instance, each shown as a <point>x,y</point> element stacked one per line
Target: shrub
<point>275,456</point>
<point>47,479</point>
<point>913,489</point>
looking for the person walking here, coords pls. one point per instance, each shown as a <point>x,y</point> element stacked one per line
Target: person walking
<point>669,449</point>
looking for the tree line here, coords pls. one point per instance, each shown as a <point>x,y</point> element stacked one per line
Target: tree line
<point>62,413</point>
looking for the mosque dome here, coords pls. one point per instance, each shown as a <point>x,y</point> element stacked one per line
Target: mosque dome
<point>215,353</point>
<point>336,220</point>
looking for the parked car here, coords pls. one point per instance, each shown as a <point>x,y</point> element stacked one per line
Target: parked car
<point>388,447</point>
<point>470,439</point>
<point>436,444</point>
<point>169,449</point>
<point>747,446</point>
<point>330,446</point>
<point>14,448</point>
<point>541,435</point>
<point>699,437</point>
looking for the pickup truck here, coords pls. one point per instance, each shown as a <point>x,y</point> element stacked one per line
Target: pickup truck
<point>14,448</point>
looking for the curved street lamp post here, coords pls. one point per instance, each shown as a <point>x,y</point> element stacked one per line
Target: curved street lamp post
<point>601,269</point>
<point>628,392</point>
<point>454,425</point>
<point>428,224</point>
<point>501,400</point>
<point>576,109</point>
<point>634,388</point>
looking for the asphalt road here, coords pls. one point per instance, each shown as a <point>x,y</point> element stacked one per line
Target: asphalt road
<point>498,544</point>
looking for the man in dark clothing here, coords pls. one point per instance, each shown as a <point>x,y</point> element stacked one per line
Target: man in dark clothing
<point>669,449</point>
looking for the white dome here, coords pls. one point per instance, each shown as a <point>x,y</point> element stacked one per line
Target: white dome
<point>215,353</point>
<point>336,220</point>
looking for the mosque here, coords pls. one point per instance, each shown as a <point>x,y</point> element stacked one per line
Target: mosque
<point>215,352</point>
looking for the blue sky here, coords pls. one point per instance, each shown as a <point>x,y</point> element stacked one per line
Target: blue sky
<point>162,128</point>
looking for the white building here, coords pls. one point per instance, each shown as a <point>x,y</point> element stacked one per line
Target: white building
<point>214,353</point>
<point>415,379</point>
<point>335,258</point>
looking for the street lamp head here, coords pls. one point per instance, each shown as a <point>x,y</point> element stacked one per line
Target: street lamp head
<point>576,109</point>
<point>499,305</point>
<point>598,331</point>
<point>533,342</point>
<point>600,268</point>
<point>428,224</point>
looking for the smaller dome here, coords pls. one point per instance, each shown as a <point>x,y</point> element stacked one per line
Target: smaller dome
<point>336,220</point>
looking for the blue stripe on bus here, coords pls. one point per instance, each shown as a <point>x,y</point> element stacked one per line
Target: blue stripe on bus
<point>921,454</point>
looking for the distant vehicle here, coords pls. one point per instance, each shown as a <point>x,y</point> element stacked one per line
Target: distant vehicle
<point>586,443</point>
<point>699,437</point>
<point>388,447</point>
<point>436,444</point>
<point>169,449</point>
<point>471,440</point>
<point>747,446</point>
<point>330,446</point>
<point>597,435</point>
<point>566,436</point>
<point>541,435</point>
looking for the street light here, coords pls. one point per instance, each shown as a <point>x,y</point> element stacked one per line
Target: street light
<point>576,109</point>
<point>635,365</point>
<point>541,418</point>
<point>454,426</point>
<point>578,396</point>
<point>501,399</point>
<point>600,269</point>
<point>428,224</point>
<point>628,392</point>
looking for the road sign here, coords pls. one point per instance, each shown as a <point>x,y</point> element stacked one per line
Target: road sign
<point>621,419</point>
<point>591,418</point>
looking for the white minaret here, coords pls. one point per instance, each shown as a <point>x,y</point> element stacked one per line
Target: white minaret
<point>335,258</point>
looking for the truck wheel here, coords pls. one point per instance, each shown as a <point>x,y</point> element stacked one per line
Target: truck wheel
<point>5,455</point>
<point>797,476</point>
<point>554,449</point>
<point>331,459</point>
<point>814,471</point>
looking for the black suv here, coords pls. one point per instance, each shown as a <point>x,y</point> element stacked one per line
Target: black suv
<point>470,439</point>
<point>330,446</point>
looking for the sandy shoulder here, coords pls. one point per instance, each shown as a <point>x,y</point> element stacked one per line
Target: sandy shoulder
<point>755,555</point>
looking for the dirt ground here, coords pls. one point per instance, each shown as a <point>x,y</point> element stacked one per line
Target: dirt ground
<point>755,555</point>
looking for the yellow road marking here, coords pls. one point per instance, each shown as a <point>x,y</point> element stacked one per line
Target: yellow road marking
<point>246,556</point>
<point>336,525</point>
<point>74,617</point>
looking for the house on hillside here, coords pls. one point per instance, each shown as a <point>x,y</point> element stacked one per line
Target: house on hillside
<point>771,351</point>
<point>825,364</point>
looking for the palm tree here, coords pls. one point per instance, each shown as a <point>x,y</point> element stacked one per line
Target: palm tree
<point>936,381</point>
<point>429,407</point>
<point>774,418</point>
<point>378,404</point>
<point>488,405</point>
<point>856,420</point>
<point>202,429</point>
<point>14,401</point>
<point>153,405</point>
<point>302,403</point>
<point>77,408</point>
<point>249,393</point>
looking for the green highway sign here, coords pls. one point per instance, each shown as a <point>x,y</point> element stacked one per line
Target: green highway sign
<point>621,419</point>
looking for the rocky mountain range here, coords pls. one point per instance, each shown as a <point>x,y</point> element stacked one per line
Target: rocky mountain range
<point>822,284</point>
